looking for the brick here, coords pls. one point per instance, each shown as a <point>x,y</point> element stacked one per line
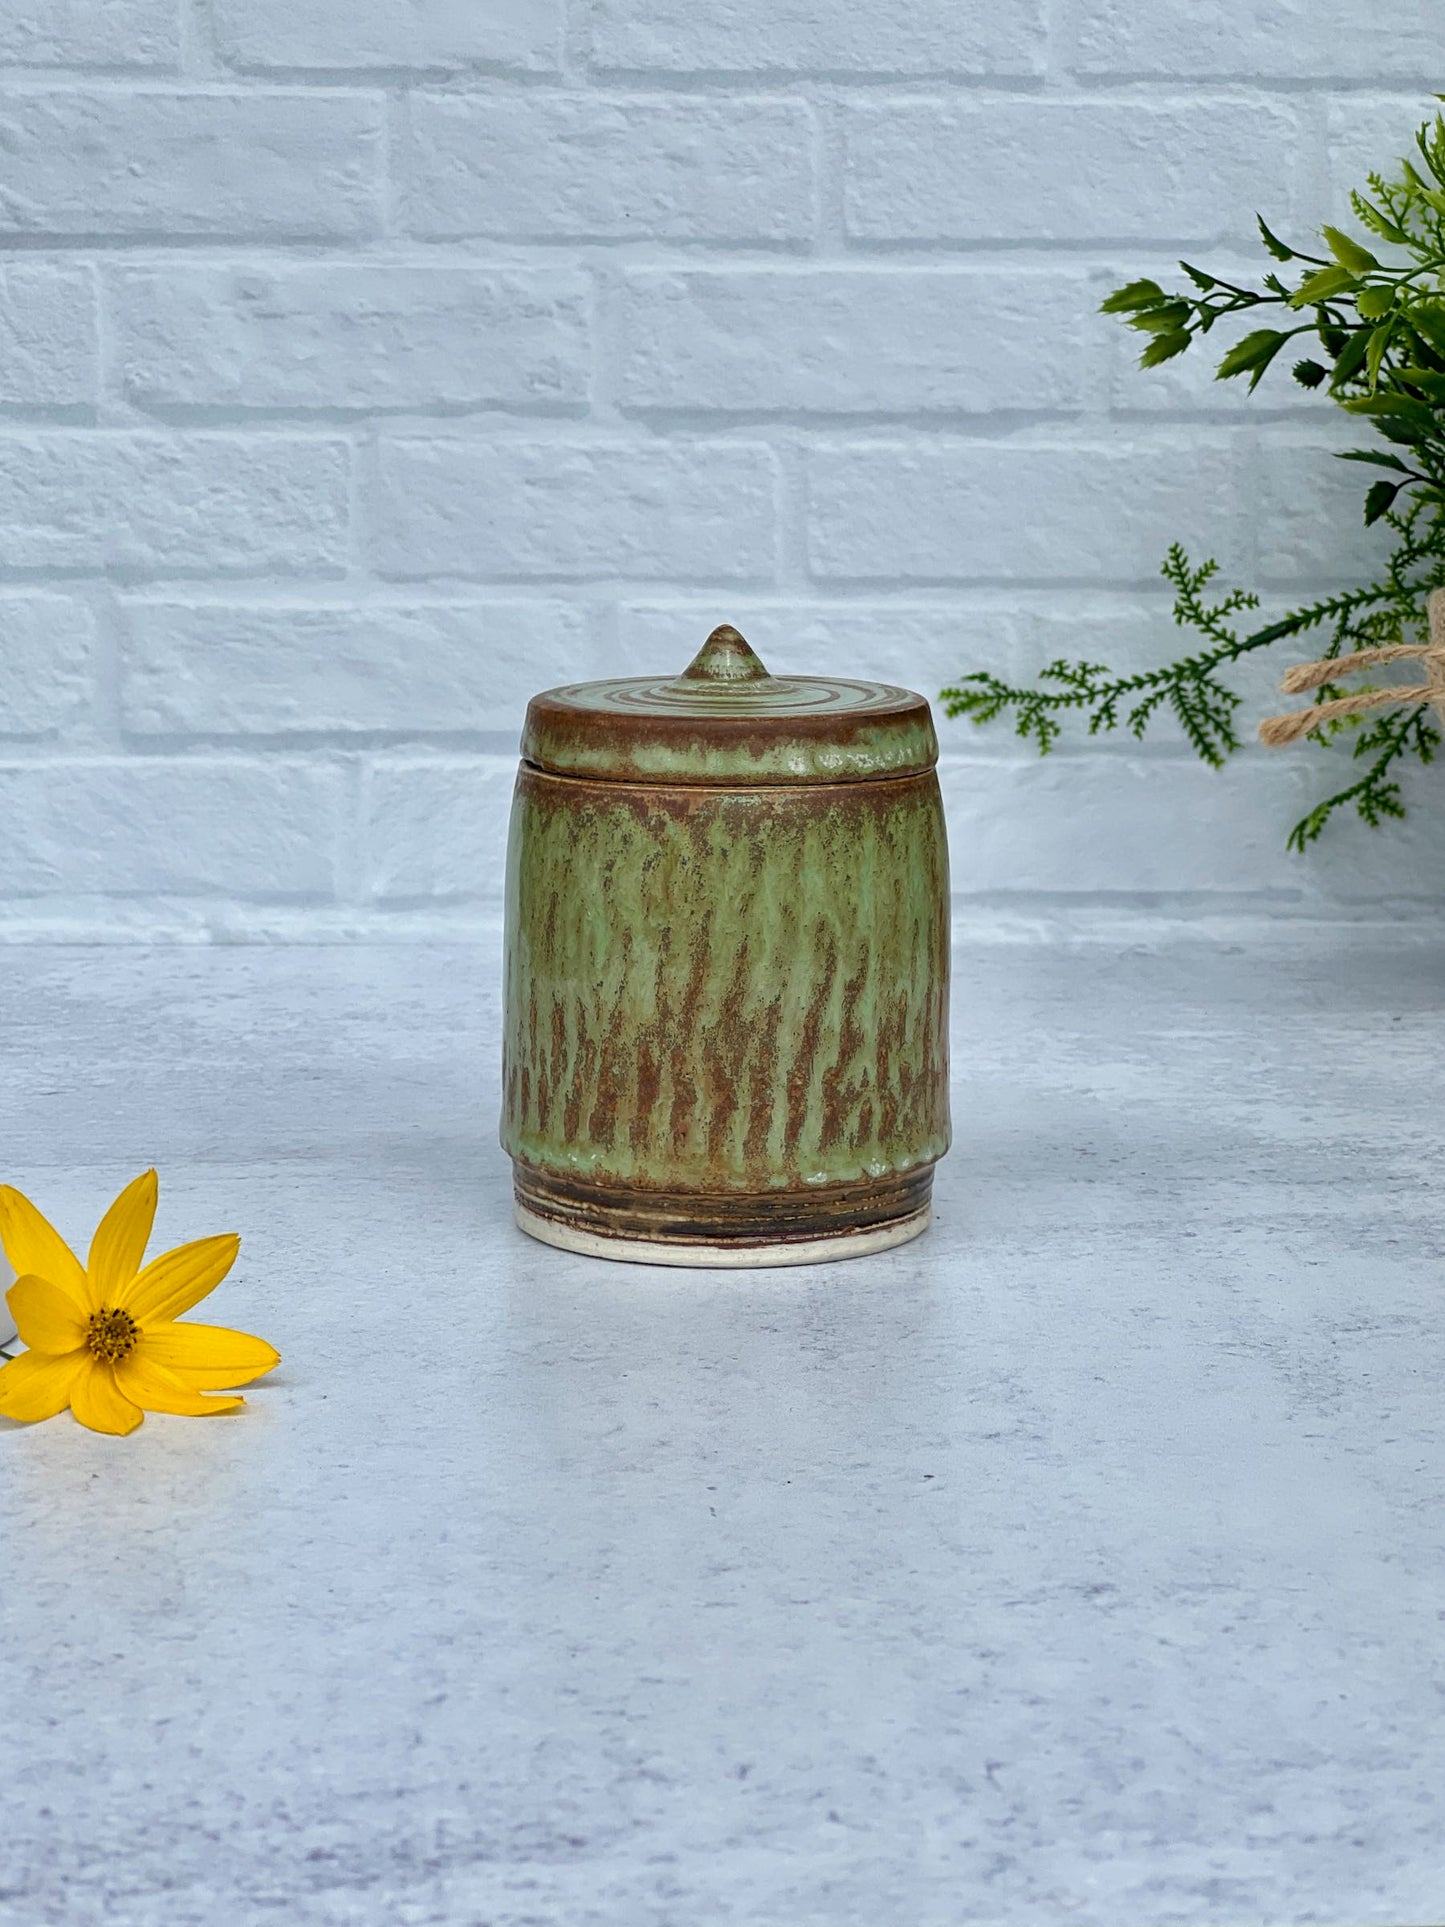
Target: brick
<point>169,163</point>
<point>49,341</point>
<point>1326,39</point>
<point>923,646</point>
<point>100,33</point>
<point>1365,137</point>
<point>349,34</point>
<point>509,509</point>
<point>919,647</point>
<point>1309,508</point>
<point>538,165</point>
<point>173,504</point>
<point>1070,171</point>
<point>435,829</point>
<point>819,36</point>
<point>354,337</point>
<point>1154,833</point>
<point>46,663</point>
<point>147,828</point>
<point>853,340</point>
<point>1125,827</point>
<point>275,669</point>
<point>967,511</point>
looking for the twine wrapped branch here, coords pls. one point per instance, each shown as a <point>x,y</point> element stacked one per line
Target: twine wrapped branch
<point>1277,730</point>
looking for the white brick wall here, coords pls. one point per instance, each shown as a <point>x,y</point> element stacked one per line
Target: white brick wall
<point>368,364</point>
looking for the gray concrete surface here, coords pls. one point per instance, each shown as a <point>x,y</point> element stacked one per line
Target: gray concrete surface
<point>1079,1563</point>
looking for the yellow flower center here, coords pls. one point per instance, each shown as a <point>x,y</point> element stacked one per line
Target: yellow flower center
<point>112,1335</point>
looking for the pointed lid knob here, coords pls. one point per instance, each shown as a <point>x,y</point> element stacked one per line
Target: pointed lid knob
<point>725,720</point>
<point>726,656</point>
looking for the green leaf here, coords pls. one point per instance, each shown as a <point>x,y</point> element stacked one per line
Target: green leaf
<point>1155,321</point>
<point>1431,158</point>
<point>1199,277</point>
<point>1376,219</point>
<point>1375,456</point>
<point>1426,378</point>
<point>1376,300</point>
<point>1404,421</point>
<point>1349,253</point>
<point>1255,352</point>
<point>1386,404</point>
<point>1428,320</point>
<point>1320,286</point>
<point>1408,434</point>
<point>1165,347</point>
<point>1379,498</point>
<point>1398,419</point>
<point>1431,196</point>
<point>1375,353</point>
<point>1350,356</point>
<point>1272,241</point>
<point>1309,374</point>
<point>1136,294</point>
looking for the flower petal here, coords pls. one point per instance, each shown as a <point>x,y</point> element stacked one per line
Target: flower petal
<point>119,1243</point>
<point>45,1316</point>
<point>179,1279</point>
<point>98,1402</point>
<point>37,1385</point>
<point>33,1244</point>
<point>161,1391</point>
<point>207,1357</point>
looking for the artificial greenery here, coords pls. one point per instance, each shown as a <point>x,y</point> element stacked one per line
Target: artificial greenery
<point>1380,328</point>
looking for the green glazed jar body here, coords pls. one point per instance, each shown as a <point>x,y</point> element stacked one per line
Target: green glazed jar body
<point>726,1010</point>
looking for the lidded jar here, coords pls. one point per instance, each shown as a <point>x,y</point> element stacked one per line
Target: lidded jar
<point>726,998</point>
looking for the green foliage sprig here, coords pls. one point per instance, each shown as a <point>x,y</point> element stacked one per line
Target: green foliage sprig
<point>1379,324</point>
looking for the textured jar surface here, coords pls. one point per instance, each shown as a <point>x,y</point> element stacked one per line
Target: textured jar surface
<point>726,991</point>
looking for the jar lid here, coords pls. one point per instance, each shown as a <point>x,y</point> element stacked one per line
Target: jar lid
<point>725,719</point>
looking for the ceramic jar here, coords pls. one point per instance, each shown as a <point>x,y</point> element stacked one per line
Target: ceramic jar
<point>726,1000</point>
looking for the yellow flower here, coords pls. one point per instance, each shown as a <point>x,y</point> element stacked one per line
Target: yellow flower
<point>101,1335</point>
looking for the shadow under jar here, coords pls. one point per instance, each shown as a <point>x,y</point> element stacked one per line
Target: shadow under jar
<point>726,1001</point>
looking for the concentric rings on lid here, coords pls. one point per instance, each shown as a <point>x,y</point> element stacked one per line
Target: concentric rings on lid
<point>726,720</point>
